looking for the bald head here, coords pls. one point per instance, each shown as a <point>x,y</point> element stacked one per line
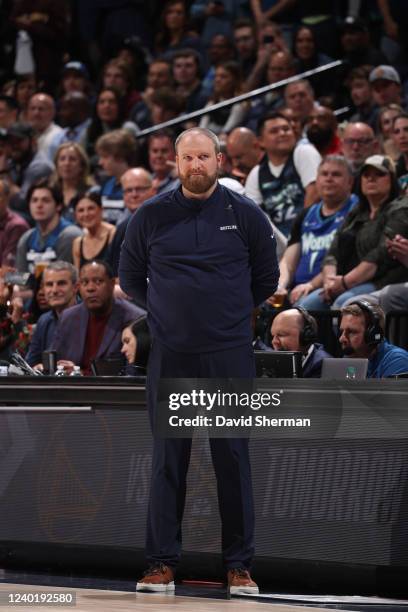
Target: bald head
<point>244,150</point>
<point>40,111</point>
<point>191,133</point>
<point>137,187</point>
<point>286,329</point>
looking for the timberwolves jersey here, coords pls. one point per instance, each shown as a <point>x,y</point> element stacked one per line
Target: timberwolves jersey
<point>317,233</point>
<point>283,196</point>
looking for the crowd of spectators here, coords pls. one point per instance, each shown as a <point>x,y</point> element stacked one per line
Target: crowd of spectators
<point>325,157</point>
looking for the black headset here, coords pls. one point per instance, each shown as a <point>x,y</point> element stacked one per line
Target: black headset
<point>374,334</point>
<point>308,335</point>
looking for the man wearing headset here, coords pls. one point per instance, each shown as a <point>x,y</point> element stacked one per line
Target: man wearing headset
<point>362,335</point>
<point>296,330</point>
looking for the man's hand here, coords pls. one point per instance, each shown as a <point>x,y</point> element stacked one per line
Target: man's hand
<point>300,291</point>
<point>278,298</point>
<point>332,288</point>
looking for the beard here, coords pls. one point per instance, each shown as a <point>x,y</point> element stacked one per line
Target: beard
<point>198,183</point>
<point>347,351</point>
<point>319,137</point>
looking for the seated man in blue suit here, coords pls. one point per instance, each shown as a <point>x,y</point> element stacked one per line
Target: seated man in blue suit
<point>60,281</point>
<point>92,330</point>
<point>296,330</point>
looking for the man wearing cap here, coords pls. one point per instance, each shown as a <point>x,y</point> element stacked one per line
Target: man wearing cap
<point>75,77</point>
<point>386,84</point>
<point>25,165</point>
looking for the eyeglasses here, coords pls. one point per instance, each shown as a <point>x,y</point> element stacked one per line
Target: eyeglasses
<point>136,189</point>
<point>358,141</point>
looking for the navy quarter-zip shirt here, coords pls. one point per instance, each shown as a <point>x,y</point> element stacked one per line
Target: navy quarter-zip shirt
<point>208,263</point>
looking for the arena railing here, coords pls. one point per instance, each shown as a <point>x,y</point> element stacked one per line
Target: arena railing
<point>255,93</point>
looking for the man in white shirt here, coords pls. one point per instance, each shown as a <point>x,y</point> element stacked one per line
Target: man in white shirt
<point>284,182</point>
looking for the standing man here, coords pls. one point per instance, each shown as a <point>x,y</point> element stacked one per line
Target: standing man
<point>210,258</point>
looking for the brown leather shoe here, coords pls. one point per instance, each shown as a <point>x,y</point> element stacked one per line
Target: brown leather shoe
<point>159,578</point>
<point>241,583</point>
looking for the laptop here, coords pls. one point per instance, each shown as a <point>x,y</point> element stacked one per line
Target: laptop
<point>107,367</point>
<point>344,369</point>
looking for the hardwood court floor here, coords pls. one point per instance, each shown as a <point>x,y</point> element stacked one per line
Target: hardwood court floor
<point>89,600</point>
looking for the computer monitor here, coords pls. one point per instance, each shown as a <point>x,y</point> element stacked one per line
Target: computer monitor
<point>278,364</point>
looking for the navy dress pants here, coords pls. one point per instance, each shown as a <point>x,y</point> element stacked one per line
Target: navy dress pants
<point>171,458</point>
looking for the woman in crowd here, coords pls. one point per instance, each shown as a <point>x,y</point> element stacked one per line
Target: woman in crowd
<point>227,84</point>
<point>385,119</point>
<point>173,32</point>
<point>71,175</point>
<point>108,115</point>
<point>136,347</point>
<point>98,234</point>
<point>358,261</point>
<point>305,51</point>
